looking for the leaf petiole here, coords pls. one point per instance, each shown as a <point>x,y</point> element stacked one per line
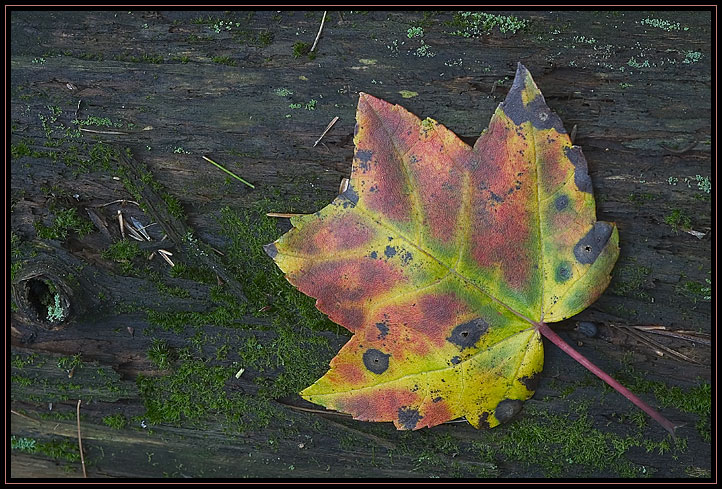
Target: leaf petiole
<point>557,340</point>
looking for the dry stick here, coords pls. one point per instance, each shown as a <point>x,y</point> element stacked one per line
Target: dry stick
<point>323,19</point>
<point>654,344</point>
<point>80,443</point>
<point>282,214</point>
<point>117,133</point>
<point>330,124</point>
<point>573,134</point>
<point>116,201</point>
<point>674,334</point>
<point>23,416</point>
<point>557,340</point>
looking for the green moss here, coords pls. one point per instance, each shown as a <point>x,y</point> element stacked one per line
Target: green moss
<point>476,24</point>
<point>22,360</point>
<point>65,222</point>
<point>261,39</point>
<point>629,281</point>
<point>142,58</point>
<point>159,353</point>
<point>15,255</point>
<point>678,219</point>
<point>696,291</point>
<point>123,250</point>
<point>92,120</point>
<point>665,25</point>
<point>116,421</point>
<point>20,149</point>
<point>196,393</point>
<point>175,208</point>
<point>58,449</point>
<point>562,445</point>
<point>70,363</point>
<point>301,49</point>
<point>415,31</point>
<point>696,400</point>
<point>224,60</point>
<point>641,198</point>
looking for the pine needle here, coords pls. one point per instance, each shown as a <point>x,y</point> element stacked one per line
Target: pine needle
<point>228,171</point>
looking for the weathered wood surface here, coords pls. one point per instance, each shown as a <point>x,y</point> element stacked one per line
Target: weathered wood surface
<point>639,93</point>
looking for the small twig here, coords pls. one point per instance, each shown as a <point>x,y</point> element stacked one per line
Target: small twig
<point>660,330</point>
<point>330,124</point>
<point>573,134</point>
<point>117,133</point>
<point>287,215</point>
<point>344,185</point>
<point>323,19</point>
<point>123,201</point>
<point>493,89</point>
<point>133,233</point>
<point>23,416</point>
<point>654,344</point>
<point>120,223</point>
<point>679,151</point>
<point>139,226</point>
<point>80,443</point>
<point>228,171</point>
<point>164,254</point>
<point>78,109</point>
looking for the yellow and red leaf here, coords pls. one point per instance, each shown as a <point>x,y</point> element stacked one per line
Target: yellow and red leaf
<point>443,259</point>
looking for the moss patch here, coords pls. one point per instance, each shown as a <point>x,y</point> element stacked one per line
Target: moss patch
<point>65,222</point>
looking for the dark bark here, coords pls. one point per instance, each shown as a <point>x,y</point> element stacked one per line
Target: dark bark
<point>175,86</point>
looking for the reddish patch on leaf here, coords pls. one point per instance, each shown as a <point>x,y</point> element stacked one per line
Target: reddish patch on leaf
<point>434,413</point>
<point>345,288</point>
<point>345,374</point>
<point>380,405</point>
<point>341,234</point>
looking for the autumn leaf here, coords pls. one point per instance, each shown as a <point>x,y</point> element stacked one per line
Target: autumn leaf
<point>446,262</point>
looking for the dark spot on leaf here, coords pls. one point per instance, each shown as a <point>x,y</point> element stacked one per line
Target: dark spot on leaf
<point>484,420</point>
<point>270,250</point>
<point>350,195</point>
<point>536,111</point>
<point>581,171</point>
<point>389,251</point>
<point>437,399</point>
<point>406,257</point>
<point>373,254</point>
<point>467,335</point>
<point>383,330</point>
<point>561,202</point>
<point>364,158</point>
<point>531,382</point>
<point>373,189</point>
<point>564,272</point>
<point>507,409</point>
<point>591,245</point>
<point>409,417</point>
<point>455,360</point>
<point>355,130</point>
<point>414,159</point>
<point>496,198</point>
<point>376,361</point>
